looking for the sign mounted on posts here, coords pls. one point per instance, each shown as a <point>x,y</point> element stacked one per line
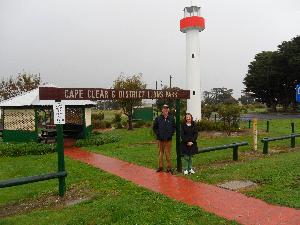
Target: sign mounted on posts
<point>59,113</point>
<point>298,93</point>
<point>51,93</point>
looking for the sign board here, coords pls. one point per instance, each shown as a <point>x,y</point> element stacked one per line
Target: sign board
<point>50,93</point>
<point>59,113</point>
<point>298,93</point>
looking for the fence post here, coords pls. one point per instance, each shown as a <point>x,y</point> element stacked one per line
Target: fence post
<point>293,127</point>
<point>215,118</point>
<point>268,126</point>
<point>249,124</point>
<point>179,162</point>
<point>266,147</point>
<point>235,153</point>
<point>254,134</point>
<point>293,140</point>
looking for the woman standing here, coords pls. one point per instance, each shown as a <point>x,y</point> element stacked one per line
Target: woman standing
<point>189,135</point>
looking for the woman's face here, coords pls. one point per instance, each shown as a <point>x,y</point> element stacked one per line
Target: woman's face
<point>188,118</point>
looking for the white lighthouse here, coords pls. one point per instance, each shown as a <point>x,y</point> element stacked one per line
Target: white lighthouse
<point>192,24</point>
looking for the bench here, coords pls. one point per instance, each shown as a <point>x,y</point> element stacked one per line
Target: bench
<point>266,141</point>
<point>47,134</point>
<point>73,130</point>
<point>234,146</point>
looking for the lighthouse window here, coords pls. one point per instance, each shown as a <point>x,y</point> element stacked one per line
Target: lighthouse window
<point>194,92</point>
<point>193,56</point>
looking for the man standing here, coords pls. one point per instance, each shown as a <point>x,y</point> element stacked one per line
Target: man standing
<point>164,128</point>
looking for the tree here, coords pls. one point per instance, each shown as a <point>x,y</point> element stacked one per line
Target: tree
<point>129,83</point>
<point>219,95</point>
<point>171,102</point>
<point>24,82</point>
<point>246,99</point>
<point>289,65</point>
<point>272,76</point>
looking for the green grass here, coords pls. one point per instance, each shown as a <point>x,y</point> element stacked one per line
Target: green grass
<point>277,175</point>
<point>115,200</point>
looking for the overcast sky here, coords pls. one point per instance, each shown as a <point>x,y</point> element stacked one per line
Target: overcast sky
<point>85,43</point>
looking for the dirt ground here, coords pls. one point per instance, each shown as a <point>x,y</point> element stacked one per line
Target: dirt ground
<point>73,196</point>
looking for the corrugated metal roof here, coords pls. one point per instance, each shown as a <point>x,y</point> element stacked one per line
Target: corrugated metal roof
<point>31,98</point>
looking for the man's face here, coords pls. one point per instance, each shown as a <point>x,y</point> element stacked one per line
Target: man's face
<point>165,111</point>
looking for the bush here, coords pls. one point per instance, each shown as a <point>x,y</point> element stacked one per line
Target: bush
<point>138,124</point>
<point>99,124</point>
<point>230,116</point>
<point>20,149</point>
<point>118,125</point>
<point>124,123</point>
<point>97,139</point>
<point>207,111</point>
<point>207,125</point>
<point>107,124</point>
<point>118,118</point>
<point>98,116</point>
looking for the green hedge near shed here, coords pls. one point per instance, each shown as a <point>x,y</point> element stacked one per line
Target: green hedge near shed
<point>21,149</point>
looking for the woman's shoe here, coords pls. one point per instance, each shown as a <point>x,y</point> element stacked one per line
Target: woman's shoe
<point>192,171</point>
<point>185,172</point>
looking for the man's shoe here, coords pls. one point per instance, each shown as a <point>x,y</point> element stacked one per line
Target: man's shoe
<point>192,171</point>
<point>185,172</point>
<point>170,171</point>
<point>160,169</point>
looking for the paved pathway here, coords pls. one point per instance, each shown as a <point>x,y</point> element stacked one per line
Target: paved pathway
<point>224,203</point>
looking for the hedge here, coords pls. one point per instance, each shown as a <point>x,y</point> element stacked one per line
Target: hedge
<point>21,149</point>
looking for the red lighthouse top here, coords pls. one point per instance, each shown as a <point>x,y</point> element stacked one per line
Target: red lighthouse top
<point>192,19</point>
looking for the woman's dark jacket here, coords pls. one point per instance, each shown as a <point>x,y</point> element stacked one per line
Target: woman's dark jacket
<point>189,133</point>
<point>164,128</point>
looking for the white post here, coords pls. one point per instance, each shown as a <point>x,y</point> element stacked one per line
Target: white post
<point>255,134</point>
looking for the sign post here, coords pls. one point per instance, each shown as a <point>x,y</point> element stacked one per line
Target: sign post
<point>59,120</point>
<point>179,161</point>
<point>94,94</point>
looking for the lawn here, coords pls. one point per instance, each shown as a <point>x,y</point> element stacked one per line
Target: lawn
<point>111,200</point>
<point>277,174</point>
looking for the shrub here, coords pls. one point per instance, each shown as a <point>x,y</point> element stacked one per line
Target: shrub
<point>230,116</point>
<point>139,124</point>
<point>20,149</point>
<point>118,118</point>
<point>118,125</point>
<point>124,123</point>
<point>98,139</point>
<point>207,111</point>
<point>99,124</point>
<point>107,124</point>
<point>98,116</point>
<point>208,125</point>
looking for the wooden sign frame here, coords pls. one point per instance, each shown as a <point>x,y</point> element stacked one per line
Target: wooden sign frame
<point>93,94</point>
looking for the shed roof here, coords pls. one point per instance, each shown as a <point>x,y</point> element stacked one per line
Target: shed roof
<point>31,98</point>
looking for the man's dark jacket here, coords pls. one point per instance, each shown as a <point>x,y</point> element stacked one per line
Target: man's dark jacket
<point>164,128</point>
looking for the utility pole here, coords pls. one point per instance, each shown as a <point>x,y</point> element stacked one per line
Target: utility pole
<point>171,80</point>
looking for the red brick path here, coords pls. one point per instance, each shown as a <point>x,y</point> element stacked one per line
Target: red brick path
<point>224,203</point>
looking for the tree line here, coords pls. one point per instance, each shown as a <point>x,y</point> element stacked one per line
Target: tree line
<point>273,75</point>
